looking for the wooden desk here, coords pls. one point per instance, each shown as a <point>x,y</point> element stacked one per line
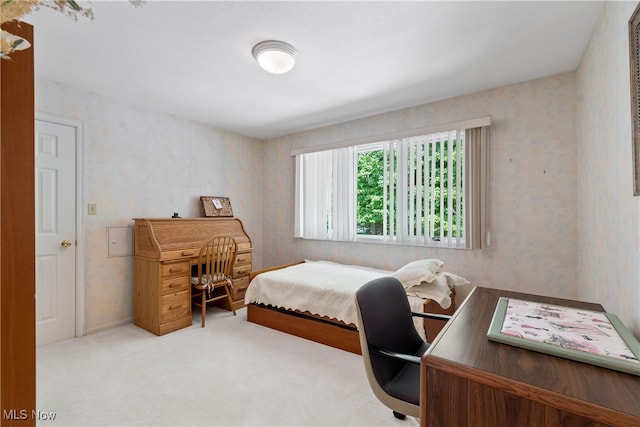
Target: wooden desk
<point>165,250</point>
<point>467,380</point>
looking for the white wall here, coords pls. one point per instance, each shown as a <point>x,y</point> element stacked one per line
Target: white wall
<point>561,211</point>
<point>532,201</point>
<point>140,163</point>
<point>609,217</point>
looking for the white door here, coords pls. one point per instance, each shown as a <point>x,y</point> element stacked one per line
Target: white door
<point>55,232</point>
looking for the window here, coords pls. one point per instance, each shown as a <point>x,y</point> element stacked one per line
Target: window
<point>419,188</point>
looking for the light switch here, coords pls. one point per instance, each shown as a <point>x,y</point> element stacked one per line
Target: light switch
<point>119,241</point>
<point>92,209</point>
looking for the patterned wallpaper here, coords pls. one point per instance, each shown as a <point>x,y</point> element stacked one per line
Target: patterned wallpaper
<point>532,201</point>
<point>609,214</point>
<point>561,215</point>
<point>140,163</point>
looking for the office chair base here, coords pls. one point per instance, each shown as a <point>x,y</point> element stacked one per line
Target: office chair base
<point>399,416</point>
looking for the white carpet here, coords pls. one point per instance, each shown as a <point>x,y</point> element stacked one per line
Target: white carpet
<point>230,373</point>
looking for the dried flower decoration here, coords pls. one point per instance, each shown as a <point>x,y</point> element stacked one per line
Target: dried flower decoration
<point>14,10</point>
<point>68,7</point>
<point>11,10</point>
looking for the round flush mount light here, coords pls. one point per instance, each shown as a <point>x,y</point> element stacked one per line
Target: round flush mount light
<point>275,56</point>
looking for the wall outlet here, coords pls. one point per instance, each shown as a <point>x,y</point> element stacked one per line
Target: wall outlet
<point>92,209</point>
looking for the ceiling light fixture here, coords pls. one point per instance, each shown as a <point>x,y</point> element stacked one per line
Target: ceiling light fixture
<point>275,56</point>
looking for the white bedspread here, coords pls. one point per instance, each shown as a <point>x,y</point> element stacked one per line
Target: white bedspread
<point>321,287</point>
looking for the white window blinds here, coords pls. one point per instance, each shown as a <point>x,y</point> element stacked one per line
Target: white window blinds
<point>426,190</point>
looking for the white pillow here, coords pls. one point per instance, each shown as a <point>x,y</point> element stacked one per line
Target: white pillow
<point>415,272</point>
<point>438,289</point>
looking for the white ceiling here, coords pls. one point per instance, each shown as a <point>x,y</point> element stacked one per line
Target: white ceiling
<point>193,58</point>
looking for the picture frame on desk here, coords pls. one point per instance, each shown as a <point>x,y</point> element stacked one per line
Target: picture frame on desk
<point>593,337</point>
<point>213,206</point>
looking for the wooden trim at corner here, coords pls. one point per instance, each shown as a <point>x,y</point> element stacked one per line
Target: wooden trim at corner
<point>17,235</point>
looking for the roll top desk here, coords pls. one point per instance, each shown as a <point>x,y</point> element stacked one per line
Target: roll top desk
<point>165,249</point>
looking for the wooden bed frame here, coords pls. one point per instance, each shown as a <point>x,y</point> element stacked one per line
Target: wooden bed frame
<point>327,331</point>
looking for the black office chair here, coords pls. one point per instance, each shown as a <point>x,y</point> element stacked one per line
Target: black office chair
<point>391,347</point>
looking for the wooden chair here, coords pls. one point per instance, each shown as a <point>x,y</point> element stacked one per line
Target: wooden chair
<point>215,268</point>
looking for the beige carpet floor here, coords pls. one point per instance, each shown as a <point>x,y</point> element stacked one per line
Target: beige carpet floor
<point>230,373</point>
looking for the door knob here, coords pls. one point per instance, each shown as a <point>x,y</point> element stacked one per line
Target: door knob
<point>66,243</point>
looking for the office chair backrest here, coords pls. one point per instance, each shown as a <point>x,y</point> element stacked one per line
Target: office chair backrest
<point>385,322</point>
<point>386,316</point>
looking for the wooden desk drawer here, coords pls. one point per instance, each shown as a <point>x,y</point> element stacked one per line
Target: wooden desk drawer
<point>241,271</point>
<point>175,268</point>
<point>241,283</point>
<point>242,259</point>
<point>174,306</point>
<point>244,246</point>
<point>238,294</point>
<point>179,254</point>
<point>240,286</point>
<point>175,284</point>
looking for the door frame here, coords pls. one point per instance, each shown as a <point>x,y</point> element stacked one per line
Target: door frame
<point>80,228</point>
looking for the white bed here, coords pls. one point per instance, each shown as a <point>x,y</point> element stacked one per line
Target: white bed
<point>324,291</point>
